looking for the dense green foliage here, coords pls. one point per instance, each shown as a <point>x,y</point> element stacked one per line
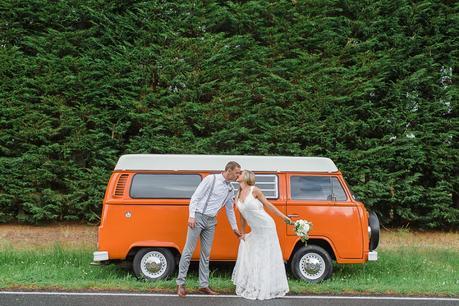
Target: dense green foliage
<point>371,84</point>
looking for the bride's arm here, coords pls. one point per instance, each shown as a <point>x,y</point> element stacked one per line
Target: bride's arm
<point>243,224</point>
<point>260,196</point>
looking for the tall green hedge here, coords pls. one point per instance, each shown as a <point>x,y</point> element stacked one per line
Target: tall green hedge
<point>371,84</point>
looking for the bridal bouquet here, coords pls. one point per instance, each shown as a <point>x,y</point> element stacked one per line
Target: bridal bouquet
<point>302,228</point>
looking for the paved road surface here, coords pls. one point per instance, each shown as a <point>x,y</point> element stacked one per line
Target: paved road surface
<point>8,298</point>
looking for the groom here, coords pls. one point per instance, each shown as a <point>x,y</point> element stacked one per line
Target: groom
<point>213,193</point>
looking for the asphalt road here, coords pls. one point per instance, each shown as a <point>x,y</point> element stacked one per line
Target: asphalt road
<point>115,299</point>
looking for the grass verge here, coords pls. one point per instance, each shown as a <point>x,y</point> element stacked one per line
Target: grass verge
<point>401,271</point>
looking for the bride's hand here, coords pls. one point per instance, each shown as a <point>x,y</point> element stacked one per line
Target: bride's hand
<point>237,233</point>
<point>288,221</point>
<point>242,237</point>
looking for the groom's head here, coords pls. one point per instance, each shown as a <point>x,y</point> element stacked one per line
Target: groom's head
<point>232,171</point>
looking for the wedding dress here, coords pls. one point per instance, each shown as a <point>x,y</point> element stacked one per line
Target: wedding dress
<point>259,272</point>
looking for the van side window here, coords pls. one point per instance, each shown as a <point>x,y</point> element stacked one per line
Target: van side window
<point>267,183</point>
<point>321,188</point>
<point>164,186</point>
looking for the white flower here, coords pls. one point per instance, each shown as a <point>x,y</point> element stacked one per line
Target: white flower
<point>306,228</point>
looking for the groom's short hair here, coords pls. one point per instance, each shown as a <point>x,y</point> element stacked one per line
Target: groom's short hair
<point>231,165</point>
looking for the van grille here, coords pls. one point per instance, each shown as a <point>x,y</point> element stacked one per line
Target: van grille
<point>119,190</point>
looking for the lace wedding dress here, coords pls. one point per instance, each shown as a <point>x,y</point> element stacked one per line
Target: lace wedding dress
<point>259,272</point>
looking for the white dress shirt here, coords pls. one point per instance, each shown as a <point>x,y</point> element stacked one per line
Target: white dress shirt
<point>222,194</point>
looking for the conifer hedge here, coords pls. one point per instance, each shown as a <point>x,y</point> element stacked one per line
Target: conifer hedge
<point>370,84</point>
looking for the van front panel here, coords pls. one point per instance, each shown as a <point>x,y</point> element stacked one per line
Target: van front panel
<point>333,214</point>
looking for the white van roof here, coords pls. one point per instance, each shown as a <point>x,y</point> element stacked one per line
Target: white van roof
<point>217,162</point>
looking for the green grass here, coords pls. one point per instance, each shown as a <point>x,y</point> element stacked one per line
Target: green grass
<point>402,271</point>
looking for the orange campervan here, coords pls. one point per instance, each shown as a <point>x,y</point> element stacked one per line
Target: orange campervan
<point>145,213</point>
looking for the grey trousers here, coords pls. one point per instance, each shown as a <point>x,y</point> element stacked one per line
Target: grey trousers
<point>205,230</point>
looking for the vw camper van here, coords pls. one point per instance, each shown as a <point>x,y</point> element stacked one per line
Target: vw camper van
<point>145,213</point>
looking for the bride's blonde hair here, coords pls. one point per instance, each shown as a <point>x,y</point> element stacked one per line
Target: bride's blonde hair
<point>248,177</point>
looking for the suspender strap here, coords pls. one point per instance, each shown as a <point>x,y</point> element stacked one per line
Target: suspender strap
<point>210,193</point>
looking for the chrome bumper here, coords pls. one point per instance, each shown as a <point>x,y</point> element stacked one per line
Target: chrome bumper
<point>372,256</point>
<point>100,256</point>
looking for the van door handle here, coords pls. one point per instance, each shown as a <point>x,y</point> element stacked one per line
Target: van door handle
<point>293,216</point>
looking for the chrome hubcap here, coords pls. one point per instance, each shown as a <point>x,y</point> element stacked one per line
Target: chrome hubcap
<point>312,266</point>
<point>153,264</point>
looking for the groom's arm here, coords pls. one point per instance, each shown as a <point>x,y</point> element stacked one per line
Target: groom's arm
<point>231,217</point>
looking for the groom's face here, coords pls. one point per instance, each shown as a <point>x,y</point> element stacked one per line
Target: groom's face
<point>232,174</point>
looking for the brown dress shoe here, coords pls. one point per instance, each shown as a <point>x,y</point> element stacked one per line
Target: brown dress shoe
<point>207,291</point>
<point>181,291</point>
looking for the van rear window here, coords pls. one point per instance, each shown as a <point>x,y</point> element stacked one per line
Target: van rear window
<point>164,186</point>
<point>316,188</point>
<point>267,184</point>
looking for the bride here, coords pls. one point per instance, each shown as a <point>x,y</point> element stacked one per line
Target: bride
<point>259,272</point>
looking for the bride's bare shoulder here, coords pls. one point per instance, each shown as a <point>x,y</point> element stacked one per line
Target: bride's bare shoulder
<point>256,191</point>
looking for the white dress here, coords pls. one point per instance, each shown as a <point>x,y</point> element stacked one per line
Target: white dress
<point>259,272</point>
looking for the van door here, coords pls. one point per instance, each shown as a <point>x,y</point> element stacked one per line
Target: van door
<point>322,200</point>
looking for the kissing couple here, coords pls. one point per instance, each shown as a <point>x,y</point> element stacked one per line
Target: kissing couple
<point>259,272</point>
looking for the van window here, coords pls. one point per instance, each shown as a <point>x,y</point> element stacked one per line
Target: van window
<point>267,184</point>
<point>316,188</point>
<point>164,186</point>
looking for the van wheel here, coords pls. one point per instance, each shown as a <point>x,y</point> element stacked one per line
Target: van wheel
<point>153,263</point>
<point>312,264</point>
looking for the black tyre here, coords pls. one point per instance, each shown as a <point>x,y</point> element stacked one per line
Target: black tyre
<point>312,263</point>
<point>373,222</point>
<point>153,263</point>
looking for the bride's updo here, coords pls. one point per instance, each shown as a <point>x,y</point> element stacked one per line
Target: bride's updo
<point>248,177</point>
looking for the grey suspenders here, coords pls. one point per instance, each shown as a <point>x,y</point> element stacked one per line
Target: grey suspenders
<point>210,193</point>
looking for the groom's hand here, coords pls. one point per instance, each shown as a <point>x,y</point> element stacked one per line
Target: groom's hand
<point>191,222</point>
<point>236,232</point>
